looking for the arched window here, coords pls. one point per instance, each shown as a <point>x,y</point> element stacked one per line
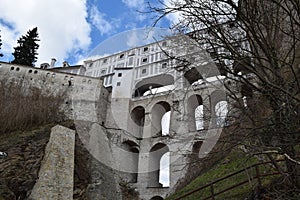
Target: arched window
<point>159,161</point>
<point>137,121</point>
<point>129,157</point>
<point>160,120</point>
<point>154,84</point>
<point>165,123</point>
<point>221,110</point>
<point>195,113</point>
<point>199,118</point>
<point>164,173</point>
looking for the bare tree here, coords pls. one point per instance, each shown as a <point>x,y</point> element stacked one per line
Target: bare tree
<point>256,46</point>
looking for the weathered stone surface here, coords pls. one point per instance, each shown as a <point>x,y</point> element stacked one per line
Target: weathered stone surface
<point>95,178</point>
<point>56,173</point>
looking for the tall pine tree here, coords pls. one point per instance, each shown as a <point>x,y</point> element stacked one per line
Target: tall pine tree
<point>26,52</point>
<point>0,46</point>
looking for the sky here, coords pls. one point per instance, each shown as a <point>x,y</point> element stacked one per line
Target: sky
<point>70,29</point>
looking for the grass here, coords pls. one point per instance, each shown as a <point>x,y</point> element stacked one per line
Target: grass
<point>235,161</point>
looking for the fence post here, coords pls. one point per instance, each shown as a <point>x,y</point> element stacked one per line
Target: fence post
<point>212,191</point>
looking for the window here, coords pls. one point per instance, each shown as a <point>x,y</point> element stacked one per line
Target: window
<point>144,71</point>
<point>91,65</point>
<point>144,60</point>
<point>130,61</point>
<point>165,123</point>
<point>103,71</point>
<point>119,74</point>
<point>159,166</point>
<point>221,110</point>
<point>122,56</point>
<point>146,49</point>
<point>199,118</point>
<point>105,60</point>
<point>118,83</point>
<point>164,65</point>
<point>164,44</point>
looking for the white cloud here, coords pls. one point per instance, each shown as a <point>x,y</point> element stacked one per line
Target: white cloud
<point>132,39</point>
<point>99,21</point>
<point>134,3</point>
<point>62,26</point>
<point>174,17</point>
<point>138,6</point>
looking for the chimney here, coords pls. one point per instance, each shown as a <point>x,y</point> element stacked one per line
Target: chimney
<point>53,60</point>
<point>45,66</point>
<point>65,64</point>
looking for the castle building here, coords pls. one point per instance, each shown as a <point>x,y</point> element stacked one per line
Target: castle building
<point>163,116</point>
<point>136,113</point>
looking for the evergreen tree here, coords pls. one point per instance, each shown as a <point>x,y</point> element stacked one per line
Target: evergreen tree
<point>0,46</point>
<point>26,52</point>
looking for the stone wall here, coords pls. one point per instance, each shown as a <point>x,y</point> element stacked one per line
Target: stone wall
<point>56,174</point>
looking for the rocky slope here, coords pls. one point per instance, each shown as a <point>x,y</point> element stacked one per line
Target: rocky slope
<point>25,151</point>
<point>19,170</point>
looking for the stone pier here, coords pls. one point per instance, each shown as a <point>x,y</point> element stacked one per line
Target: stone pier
<point>56,174</point>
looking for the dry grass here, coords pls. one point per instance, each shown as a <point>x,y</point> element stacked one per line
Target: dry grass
<point>22,107</point>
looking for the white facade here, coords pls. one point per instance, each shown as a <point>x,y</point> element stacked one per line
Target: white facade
<point>145,61</point>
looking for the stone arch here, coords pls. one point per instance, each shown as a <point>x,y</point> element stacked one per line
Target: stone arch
<point>196,149</point>
<point>157,198</point>
<point>221,110</point>
<point>195,113</point>
<point>129,158</point>
<point>155,155</point>
<point>137,121</point>
<point>157,113</point>
<point>216,97</point>
<point>151,83</point>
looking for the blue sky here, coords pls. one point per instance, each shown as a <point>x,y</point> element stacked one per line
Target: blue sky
<point>70,29</point>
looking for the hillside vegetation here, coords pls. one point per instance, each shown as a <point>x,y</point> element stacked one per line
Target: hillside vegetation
<point>234,162</point>
<point>23,107</point>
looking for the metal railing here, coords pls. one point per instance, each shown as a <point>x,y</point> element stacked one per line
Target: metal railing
<point>258,175</point>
